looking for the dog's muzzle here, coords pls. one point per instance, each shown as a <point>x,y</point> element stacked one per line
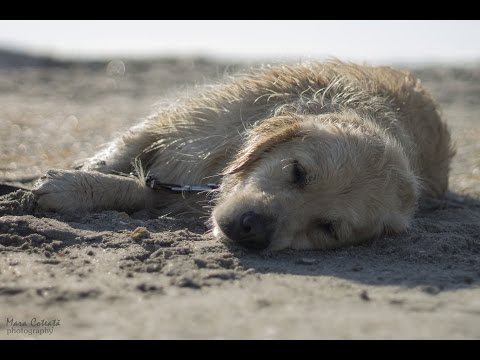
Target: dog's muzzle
<point>251,230</point>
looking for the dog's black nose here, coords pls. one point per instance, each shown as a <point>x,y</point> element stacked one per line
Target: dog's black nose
<point>250,230</point>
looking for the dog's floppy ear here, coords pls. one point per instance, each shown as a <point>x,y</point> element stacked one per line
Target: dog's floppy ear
<point>263,138</point>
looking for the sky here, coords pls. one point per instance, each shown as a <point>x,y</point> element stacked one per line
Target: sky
<point>372,41</point>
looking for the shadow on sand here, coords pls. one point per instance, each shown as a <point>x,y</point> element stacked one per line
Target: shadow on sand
<point>441,251</point>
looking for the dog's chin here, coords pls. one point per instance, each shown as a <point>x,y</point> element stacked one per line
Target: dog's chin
<point>220,236</point>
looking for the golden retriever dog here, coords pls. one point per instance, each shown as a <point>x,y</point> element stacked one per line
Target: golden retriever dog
<point>308,156</point>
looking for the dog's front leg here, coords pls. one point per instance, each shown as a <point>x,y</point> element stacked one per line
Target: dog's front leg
<point>74,191</point>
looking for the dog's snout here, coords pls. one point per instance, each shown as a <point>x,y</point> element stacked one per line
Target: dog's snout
<point>250,230</point>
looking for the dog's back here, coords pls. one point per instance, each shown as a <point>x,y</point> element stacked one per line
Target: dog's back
<point>205,130</point>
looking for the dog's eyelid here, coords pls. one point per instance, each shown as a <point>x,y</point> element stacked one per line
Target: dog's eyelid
<point>328,226</point>
<point>299,173</point>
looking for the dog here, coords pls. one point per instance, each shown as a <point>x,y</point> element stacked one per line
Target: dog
<point>306,156</point>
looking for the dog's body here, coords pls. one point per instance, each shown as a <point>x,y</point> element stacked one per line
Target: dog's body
<point>308,156</point>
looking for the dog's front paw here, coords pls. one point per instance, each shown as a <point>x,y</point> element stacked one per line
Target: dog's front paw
<point>62,191</point>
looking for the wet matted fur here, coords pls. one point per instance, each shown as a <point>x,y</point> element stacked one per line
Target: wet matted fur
<point>315,155</point>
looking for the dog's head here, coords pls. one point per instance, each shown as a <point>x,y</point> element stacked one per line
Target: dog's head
<point>315,182</point>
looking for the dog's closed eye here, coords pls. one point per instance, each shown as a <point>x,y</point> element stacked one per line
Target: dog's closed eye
<point>327,227</point>
<point>299,174</point>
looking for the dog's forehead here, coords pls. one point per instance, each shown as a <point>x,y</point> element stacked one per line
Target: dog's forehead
<point>263,140</point>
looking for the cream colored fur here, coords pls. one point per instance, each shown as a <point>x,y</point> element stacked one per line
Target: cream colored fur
<point>369,142</point>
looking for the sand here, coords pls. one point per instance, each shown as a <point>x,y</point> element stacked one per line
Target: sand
<point>111,275</point>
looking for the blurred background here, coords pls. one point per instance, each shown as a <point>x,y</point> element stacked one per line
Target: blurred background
<point>373,41</point>
<point>68,87</point>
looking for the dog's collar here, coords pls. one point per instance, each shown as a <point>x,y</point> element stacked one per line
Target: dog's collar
<point>154,184</point>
